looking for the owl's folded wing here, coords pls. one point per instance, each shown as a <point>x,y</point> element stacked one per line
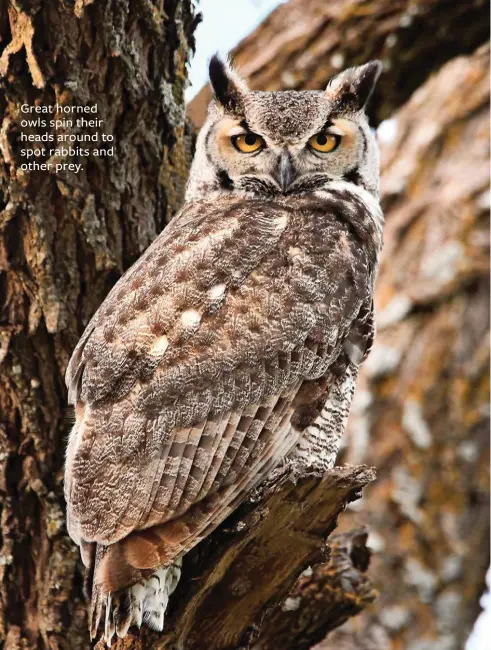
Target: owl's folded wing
<point>184,383</point>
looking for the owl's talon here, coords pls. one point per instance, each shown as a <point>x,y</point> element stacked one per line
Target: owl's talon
<point>138,616</point>
<point>109,627</point>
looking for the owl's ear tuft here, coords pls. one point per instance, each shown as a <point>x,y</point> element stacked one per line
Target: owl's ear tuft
<point>228,87</point>
<point>354,86</point>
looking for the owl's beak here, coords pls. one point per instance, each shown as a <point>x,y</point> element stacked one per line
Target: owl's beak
<point>285,172</point>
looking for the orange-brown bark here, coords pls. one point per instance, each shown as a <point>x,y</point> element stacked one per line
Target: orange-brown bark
<point>421,411</point>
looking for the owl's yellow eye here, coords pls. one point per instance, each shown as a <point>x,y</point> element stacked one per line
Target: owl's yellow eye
<point>248,142</point>
<point>324,142</point>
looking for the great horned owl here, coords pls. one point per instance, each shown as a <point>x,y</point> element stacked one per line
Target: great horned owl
<point>232,343</point>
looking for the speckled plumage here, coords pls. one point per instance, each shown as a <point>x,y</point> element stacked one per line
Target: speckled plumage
<point>233,341</point>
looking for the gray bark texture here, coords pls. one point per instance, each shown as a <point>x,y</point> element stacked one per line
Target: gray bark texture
<point>421,411</point>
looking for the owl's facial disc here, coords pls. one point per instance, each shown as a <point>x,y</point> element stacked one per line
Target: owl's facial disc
<point>247,157</point>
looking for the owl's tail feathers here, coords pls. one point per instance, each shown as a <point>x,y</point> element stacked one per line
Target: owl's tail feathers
<point>143,602</point>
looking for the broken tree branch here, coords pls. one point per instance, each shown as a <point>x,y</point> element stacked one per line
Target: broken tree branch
<point>234,582</point>
<point>323,598</point>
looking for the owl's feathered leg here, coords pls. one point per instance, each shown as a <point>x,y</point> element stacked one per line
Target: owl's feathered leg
<point>319,445</point>
<point>151,597</point>
<point>145,601</point>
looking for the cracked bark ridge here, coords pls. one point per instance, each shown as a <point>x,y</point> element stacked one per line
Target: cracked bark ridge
<point>234,583</point>
<point>64,241</point>
<point>303,43</point>
<point>323,598</point>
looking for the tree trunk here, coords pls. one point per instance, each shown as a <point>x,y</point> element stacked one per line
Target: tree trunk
<point>304,42</point>
<point>64,240</point>
<point>421,411</point>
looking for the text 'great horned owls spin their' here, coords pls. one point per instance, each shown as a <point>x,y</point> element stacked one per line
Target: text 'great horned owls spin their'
<point>232,343</point>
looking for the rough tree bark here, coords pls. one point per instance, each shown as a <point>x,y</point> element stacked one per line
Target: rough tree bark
<point>236,584</point>
<point>304,42</point>
<point>323,598</point>
<point>64,240</point>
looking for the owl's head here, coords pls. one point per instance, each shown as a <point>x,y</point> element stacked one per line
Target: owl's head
<point>283,143</point>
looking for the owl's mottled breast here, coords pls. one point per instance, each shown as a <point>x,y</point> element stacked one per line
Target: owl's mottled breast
<point>213,293</point>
